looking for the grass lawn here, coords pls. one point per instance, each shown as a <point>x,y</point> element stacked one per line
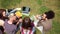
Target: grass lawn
<point>37,7</point>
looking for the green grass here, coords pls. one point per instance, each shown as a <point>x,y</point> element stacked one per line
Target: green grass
<point>8,3</point>
<point>38,7</point>
<point>43,9</point>
<point>39,2</point>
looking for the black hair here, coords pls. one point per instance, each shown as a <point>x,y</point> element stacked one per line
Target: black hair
<point>50,14</point>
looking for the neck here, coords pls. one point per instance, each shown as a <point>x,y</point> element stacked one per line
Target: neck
<point>10,21</point>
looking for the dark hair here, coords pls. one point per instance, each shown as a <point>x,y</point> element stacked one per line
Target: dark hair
<point>1,14</point>
<point>50,14</point>
<point>2,29</point>
<point>26,25</point>
<point>1,11</point>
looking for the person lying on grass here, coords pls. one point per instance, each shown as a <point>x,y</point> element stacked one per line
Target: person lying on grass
<point>9,27</point>
<point>44,22</point>
<point>27,27</point>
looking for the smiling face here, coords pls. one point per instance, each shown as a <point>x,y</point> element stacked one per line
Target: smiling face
<point>44,16</point>
<point>27,20</point>
<point>14,17</point>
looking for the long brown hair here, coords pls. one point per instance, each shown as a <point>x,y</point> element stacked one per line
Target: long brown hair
<point>1,14</point>
<point>2,17</point>
<point>28,24</point>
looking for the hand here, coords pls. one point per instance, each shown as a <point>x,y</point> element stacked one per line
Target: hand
<point>20,20</point>
<point>37,16</point>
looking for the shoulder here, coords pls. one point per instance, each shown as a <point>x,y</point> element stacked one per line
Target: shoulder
<point>1,22</point>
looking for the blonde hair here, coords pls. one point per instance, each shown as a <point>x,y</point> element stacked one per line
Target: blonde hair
<point>11,15</point>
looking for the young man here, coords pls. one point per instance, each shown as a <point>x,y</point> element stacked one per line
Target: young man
<point>44,22</point>
<point>9,27</point>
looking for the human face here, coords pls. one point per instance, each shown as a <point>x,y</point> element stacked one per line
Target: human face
<point>4,13</point>
<point>26,20</point>
<point>14,17</point>
<point>44,16</point>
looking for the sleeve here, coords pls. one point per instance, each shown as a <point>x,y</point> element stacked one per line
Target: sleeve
<point>18,27</point>
<point>40,28</point>
<point>47,25</point>
<point>33,18</point>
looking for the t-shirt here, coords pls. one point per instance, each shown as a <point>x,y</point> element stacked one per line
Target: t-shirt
<point>1,32</point>
<point>44,25</point>
<point>9,28</point>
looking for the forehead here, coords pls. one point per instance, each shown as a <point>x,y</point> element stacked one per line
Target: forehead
<point>14,16</point>
<point>4,12</point>
<point>43,14</point>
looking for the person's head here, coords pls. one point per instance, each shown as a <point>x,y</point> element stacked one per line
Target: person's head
<point>49,15</point>
<point>26,22</point>
<point>2,13</point>
<point>12,17</point>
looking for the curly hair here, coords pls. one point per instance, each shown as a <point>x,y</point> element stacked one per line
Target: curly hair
<point>50,14</point>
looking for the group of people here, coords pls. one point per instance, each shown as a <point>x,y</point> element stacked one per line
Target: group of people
<point>12,24</point>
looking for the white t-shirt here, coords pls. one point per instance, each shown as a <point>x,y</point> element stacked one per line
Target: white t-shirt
<point>40,28</point>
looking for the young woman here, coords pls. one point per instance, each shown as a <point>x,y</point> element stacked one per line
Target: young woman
<point>27,26</point>
<point>2,18</point>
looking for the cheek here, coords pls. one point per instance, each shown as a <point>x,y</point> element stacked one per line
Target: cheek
<point>3,13</point>
<point>44,16</point>
<point>14,18</point>
<point>20,20</point>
